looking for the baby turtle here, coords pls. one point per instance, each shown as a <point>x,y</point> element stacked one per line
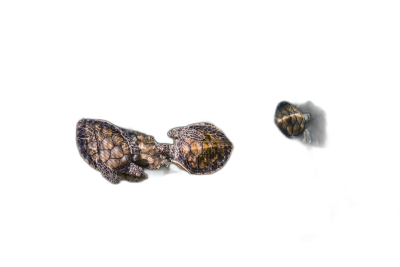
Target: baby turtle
<point>114,151</point>
<point>198,148</point>
<point>292,122</point>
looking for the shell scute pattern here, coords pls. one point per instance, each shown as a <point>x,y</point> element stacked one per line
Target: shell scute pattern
<point>101,140</point>
<point>289,119</point>
<point>204,156</point>
<point>305,122</point>
<point>185,149</point>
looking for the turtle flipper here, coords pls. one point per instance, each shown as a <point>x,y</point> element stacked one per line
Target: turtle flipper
<point>307,138</point>
<point>137,173</point>
<point>202,124</point>
<point>107,172</point>
<point>181,166</point>
<point>192,133</point>
<point>211,125</point>
<point>185,132</point>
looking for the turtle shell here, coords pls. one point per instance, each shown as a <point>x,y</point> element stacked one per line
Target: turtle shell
<point>289,119</point>
<point>203,156</point>
<point>102,140</point>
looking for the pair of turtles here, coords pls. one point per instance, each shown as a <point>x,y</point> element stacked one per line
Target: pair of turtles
<point>292,122</point>
<point>121,154</point>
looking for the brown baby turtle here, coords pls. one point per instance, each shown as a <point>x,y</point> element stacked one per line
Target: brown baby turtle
<point>116,152</point>
<point>304,122</point>
<point>198,148</point>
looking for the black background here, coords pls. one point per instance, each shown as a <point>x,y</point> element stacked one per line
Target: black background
<point>271,190</point>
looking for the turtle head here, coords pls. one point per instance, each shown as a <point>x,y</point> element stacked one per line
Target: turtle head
<point>306,116</point>
<point>174,133</point>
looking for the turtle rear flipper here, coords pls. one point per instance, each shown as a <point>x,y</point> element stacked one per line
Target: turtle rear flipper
<point>309,139</point>
<point>107,172</point>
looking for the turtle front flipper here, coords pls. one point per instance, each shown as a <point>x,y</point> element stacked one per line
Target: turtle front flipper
<point>192,133</point>
<point>107,172</point>
<point>185,132</point>
<point>181,165</point>
<point>205,124</point>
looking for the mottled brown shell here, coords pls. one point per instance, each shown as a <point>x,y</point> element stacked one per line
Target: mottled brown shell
<point>204,156</point>
<point>101,140</point>
<point>289,119</point>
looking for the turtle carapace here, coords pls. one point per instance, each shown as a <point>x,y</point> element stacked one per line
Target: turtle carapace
<point>198,148</point>
<point>292,122</point>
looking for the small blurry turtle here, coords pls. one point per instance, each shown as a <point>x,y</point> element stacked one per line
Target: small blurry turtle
<point>116,152</point>
<point>292,122</point>
<point>199,148</point>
